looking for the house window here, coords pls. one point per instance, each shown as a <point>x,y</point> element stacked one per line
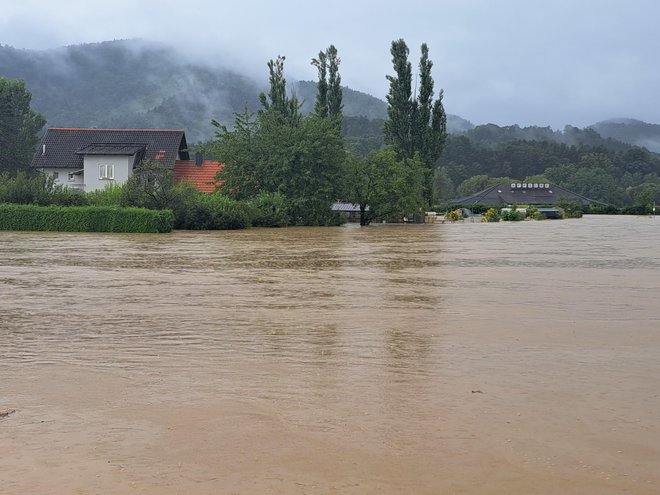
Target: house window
<point>72,177</point>
<point>56,175</point>
<point>106,172</point>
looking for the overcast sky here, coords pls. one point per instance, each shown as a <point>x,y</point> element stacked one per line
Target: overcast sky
<point>531,62</point>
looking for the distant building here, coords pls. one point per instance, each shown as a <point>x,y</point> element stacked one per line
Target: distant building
<point>90,159</point>
<point>350,211</point>
<point>521,193</point>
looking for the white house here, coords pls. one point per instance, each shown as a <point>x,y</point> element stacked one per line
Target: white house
<point>89,159</point>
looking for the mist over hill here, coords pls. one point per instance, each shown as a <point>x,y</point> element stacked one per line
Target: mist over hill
<point>631,131</point>
<point>140,84</point>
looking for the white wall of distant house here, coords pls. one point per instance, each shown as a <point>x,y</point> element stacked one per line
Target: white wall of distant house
<point>123,168</point>
<point>61,176</point>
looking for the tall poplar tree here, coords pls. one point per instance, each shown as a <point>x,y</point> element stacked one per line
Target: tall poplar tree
<point>335,94</point>
<point>417,124</point>
<point>279,102</point>
<point>329,94</point>
<point>321,106</point>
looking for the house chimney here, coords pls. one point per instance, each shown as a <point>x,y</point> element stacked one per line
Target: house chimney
<point>43,149</point>
<point>198,159</point>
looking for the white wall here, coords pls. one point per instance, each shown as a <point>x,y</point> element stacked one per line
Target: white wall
<point>63,177</point>
<point>123,170</point>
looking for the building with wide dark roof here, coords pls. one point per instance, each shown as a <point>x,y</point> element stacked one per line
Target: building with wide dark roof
<point>89,159</point>
<point>517,193</point>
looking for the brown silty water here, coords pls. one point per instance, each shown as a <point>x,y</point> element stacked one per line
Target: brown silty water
<point>464,358</point>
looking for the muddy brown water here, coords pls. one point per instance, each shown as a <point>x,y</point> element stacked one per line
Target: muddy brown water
<point>458,358</point>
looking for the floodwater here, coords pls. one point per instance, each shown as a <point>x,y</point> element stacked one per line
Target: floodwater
<point>432,359</point>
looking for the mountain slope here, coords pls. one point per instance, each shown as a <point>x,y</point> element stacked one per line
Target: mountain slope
<point>631,131</point>
<point>138,84</point>
<point>127,84</point>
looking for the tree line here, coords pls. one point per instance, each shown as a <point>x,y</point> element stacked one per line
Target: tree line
<point>299,164</point>
<point>607,172</point>
<point>305,160</point>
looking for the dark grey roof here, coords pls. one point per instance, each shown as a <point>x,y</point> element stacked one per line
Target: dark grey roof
<point>64,147</point>
<point>516,194</point>
<point>129,149</point>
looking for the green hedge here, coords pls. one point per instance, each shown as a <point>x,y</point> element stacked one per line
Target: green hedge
<point>84,218</point>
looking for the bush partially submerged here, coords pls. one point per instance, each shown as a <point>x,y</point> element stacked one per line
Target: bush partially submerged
<point>512,215</point>
<point>270,210</point>
<point>491,215</point>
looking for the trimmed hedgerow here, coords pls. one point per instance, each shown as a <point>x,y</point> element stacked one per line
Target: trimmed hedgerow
<point>84,219</point>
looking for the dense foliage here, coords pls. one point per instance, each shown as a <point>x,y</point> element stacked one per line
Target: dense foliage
<point>19,125</point>
<point>84,218</point>
<point>37,189</point>
<point>384,186</point>
<point>191,209</point>
<point>603,171</point>
<point>417,125</point>
<point>280,151</point>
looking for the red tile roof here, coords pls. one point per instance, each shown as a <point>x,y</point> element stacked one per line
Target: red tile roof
<point>201,176</point>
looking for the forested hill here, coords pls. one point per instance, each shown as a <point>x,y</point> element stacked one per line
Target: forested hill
<point>130,84</point>
<point>631,131</point>
<point>578,159</point>
<point>138,84</point>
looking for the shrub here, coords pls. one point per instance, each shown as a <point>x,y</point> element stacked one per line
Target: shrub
<point>601,209</point>
<point>189,212</point>
<point>109,196</point>
<point>270,210</point>
<point>38,189</point>
<point>535,214</point>
<point>637,210</point>
<point>512,215</point>
<point>571,209</point>
<point>492,215</point>
<point>225,213</point>
<point>84,219</point>
<point>454,215</point>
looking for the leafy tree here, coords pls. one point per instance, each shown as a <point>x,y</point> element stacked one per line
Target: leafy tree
<point>280,104</point>
<point>443,186</point>
<point>383,186</point>
<point>417,124</point>
<point>283,152</point>
<point>243,150</point>
<point>150,186</point>
<point>479,183</point>
<point>536,179</point>
<point>645,194</point>
<point>18,125</point>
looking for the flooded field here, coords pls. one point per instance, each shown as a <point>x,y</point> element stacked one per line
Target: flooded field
<point>437,359</point>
